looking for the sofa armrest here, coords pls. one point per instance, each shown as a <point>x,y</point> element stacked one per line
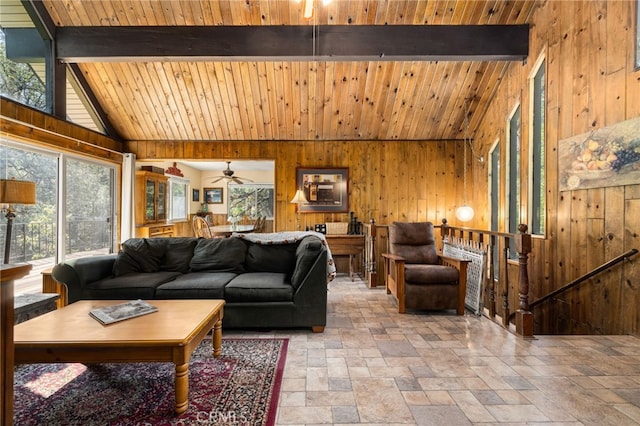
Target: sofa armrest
<point>76,273</point>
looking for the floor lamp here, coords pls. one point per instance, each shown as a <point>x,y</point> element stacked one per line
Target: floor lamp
<point>298,199</point>
<point>14,192</point>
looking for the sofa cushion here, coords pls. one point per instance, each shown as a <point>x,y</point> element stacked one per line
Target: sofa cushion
<point>178,254</point>
<point>219,254</point>
<point>259,287</point>
<point>139,255</point>
<point>135,285</point>
<point>271,258</point>
<point>306,255</point>
<point>196,285</point>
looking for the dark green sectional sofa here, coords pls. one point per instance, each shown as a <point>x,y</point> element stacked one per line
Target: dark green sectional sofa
<point>264,285</point>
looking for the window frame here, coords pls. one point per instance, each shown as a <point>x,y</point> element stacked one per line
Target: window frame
<point>537,145</point>
<point>231,187</point>
<point>173,181</point>
<point>513,174</point>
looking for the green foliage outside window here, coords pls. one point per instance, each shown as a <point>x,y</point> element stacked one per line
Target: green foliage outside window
<point>19,82</point>
<point>251,200</point>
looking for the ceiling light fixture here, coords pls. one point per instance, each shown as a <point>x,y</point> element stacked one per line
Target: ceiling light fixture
<point>465,212</point>
<point>307,7</point>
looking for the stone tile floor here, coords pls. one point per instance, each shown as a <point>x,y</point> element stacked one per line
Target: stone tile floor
<point>377,367</point>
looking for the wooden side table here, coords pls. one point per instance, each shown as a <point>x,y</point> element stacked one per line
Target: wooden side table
<point>49,285</point>
<point>347,245</point>
<point>8,274</point>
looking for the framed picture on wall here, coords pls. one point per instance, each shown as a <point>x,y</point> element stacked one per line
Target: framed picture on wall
<point>325,189</point>
<point>195,195</point>
<point>213,195</point>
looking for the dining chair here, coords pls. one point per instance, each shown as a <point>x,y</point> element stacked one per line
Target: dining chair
<point>201,227</point>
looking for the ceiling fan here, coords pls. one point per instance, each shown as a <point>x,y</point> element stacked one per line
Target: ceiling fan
<point>228,175</point>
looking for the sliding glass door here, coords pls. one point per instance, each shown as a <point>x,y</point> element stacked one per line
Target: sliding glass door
<point>73,194</point>
<point>89,208</point>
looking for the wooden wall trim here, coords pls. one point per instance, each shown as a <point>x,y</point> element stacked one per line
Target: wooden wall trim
<point>33,126</point>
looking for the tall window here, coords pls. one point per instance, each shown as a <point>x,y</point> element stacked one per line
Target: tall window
<point>251,200</point>
<point>537,184</point>
<point>494,195</point>
<point>89,209</point>
<point>513,175</point>
<point>72,194</point>
<point>178,207</point>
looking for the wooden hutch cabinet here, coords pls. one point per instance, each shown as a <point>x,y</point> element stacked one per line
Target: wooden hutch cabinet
<point>151,205</point>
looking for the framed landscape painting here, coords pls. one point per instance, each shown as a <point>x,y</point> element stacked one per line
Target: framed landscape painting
<point>325,189</point>
<point>213,195</point>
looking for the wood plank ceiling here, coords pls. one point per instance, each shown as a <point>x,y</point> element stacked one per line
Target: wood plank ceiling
<point>291,100</point>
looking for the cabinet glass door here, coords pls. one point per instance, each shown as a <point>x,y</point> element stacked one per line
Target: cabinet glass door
<point>162,201</point>
<point>149,200</point>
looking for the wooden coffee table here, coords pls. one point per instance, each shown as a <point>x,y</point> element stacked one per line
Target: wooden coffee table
<point>169,335</point>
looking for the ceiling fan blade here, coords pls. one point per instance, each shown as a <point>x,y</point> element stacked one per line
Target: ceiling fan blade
<point>237,180</point>
<point>218,179</point>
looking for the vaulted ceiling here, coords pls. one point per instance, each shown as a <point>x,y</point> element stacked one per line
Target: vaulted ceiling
<point>300,96</point>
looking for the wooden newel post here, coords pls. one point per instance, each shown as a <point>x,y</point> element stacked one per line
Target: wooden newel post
<point>444,231</point>
<point>524,318</point>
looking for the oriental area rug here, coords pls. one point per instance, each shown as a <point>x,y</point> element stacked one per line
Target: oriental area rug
<point>240,387</point>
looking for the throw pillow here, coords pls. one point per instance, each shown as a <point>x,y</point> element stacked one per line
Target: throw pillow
<point>219,254</point>
<point>271,257</point>
<point>178,254</point>
<point>139,255</point>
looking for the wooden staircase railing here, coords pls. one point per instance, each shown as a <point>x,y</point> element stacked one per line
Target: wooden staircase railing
<point>585,277</point>
<point>500,260</point>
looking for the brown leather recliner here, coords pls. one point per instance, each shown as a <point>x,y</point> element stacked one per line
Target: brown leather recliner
<point>417,276</point>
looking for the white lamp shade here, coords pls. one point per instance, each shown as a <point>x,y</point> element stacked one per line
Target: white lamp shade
<point>299,198</point>
<point>17,192</point>
<point>464,213</point>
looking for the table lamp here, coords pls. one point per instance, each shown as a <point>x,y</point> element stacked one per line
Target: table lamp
<point>299,198</point>
<point>14,192</point>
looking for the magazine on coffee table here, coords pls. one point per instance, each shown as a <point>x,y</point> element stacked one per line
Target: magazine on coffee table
<point>122,311</point>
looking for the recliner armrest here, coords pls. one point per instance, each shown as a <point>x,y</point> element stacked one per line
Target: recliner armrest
<point>457,263</point>
<point>461,266</point>
<point>393,257</point>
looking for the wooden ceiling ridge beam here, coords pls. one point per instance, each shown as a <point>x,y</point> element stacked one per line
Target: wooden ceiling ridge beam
<point>294,43</point>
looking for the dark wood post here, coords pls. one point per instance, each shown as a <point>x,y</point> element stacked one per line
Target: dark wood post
<point>524,318</point>
<point>371,255</point>
<point>506,312</point>
<point>493,250</point>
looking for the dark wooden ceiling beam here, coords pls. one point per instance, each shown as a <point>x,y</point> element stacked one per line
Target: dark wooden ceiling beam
<point>296,43</point>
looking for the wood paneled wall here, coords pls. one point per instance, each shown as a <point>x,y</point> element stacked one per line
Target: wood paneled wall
<point>591,83</point>
<point>397,180</point>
